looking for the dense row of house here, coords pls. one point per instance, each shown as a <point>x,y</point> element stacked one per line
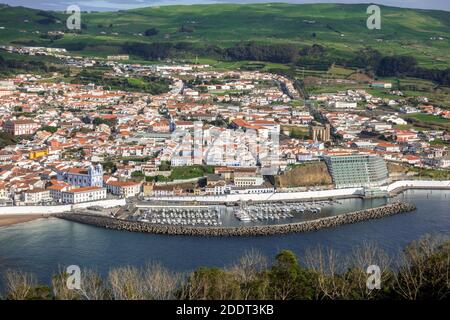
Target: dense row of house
<point>58,133</point>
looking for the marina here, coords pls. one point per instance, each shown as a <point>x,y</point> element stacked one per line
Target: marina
<point>196,216</point>
<point>227,231</point>
<point>280,211</point>
<point>36,246</point>
<point>218,215</point>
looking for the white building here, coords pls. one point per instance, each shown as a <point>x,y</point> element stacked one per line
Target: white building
<point>218,189</point>
<point>124,188</point>
<point>56,191</point>
<point>380,126</point>
<point>83,194</point>
<point>409,109</point>
<point>345,105</point>
<point>3,193</point>
<point>384,85</point>
<point>444,162</point>
<point>395,120</point>
<point>92,176</point>
<point>253,190</point>
<point>244,181</point>
<point>35,196</point>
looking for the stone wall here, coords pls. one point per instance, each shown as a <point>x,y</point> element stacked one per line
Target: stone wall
<point>109,203</point>
<point>313,225</point>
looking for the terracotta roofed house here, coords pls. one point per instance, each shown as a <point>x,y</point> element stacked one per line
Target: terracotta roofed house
<point>20,127</point>
<point>124,188</point>
<point>83,194</point>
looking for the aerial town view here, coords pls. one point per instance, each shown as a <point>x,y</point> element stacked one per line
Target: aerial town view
<point>167,151</point>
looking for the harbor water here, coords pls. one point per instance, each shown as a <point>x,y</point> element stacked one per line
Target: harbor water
<point>43,246</point>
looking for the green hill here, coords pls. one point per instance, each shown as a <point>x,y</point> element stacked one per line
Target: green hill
<point>341,28</point>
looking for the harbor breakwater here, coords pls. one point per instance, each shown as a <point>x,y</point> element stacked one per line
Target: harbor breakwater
<point>304,226</point>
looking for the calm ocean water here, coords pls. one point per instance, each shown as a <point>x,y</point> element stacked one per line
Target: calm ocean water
<point>42,246</point>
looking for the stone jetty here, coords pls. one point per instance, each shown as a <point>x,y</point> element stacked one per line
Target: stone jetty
<point>304,226</point>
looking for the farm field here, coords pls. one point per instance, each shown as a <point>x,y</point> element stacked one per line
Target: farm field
<point>342,28</point>
<point>429,118</point>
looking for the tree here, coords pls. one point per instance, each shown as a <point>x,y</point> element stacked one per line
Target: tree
<point>109,166</point>
<point>161,283</point>
<point>126,284</point>
<point>19,284</point>
<point>250,272</point>
<point>367,58</point>
<point>150,51</point>
<point>424,270</point>
<point>151,32</point>
<point>164,166</point>
<point>422,273</point>
<point>314,50</point>
<point>60,289</point>
<point>187,29</point>
<point>279,53</point>
<point>109,122</point>
<point>137,174</point>
<point>49,129</point>
<point>288,280</point>
<point>396,65</point>
<point>211,284</point>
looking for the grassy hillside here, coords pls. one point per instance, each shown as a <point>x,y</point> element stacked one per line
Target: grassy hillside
<point>339,27</point>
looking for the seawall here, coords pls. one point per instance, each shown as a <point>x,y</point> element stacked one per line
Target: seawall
<point>39,210</point>
<point>391,189</point>
<point>304,226</point>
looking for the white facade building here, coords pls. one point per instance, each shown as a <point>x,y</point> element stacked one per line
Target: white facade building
<point>124,188</point>
<point>248,181</point>
<point>83,194</point>
<point>36,196</point>
<point>345,105</point>
<point>92,176</point>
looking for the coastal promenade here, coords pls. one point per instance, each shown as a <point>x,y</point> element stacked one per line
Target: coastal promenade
<point>391,189</point>
<point>307,195</point>
<point>40,210</point>
<point>399,186</point>
<point>304,226</point>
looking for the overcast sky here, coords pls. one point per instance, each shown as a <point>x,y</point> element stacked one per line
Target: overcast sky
<point>109,5</point>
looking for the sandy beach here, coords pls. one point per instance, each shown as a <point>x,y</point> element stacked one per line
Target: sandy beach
<point>9,219</point>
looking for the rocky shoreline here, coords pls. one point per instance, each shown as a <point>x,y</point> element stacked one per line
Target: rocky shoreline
<point>304,226</point>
